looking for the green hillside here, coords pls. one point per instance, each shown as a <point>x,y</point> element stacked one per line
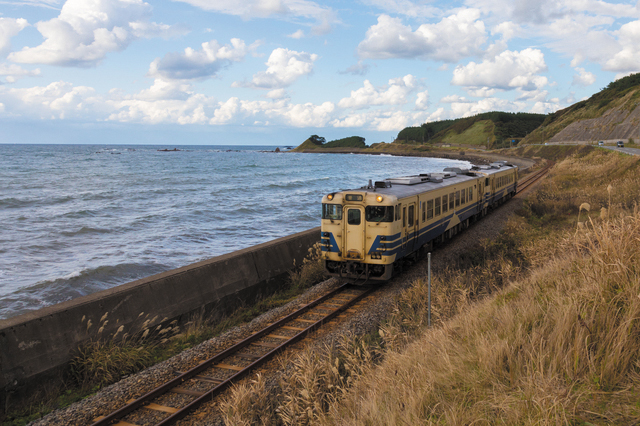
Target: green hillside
<point>490,130</point>
<point>316,142</point>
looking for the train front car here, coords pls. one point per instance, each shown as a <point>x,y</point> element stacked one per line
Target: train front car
<point>357,232</point>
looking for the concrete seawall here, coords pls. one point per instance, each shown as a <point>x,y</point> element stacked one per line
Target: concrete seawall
<point>40,344</point>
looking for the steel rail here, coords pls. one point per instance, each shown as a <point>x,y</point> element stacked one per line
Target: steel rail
<point>182,412</point>
<point>532,178</point>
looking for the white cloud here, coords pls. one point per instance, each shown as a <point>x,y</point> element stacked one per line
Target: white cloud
<point>309,115</point>
<point>454,37</point>
<point>452,98</point>
<point>49,4</point>
<point>583,78</point>
<point>86,30</point>
<point>198,64</point>
<point>192,109</point>
<point>539,12</point>
<point>627,59</point>
<point>322,17</point>
<point>297,35</point>
<point>395,93</point>
<point>405,7</point>
<point>507,29</point>
<point>58,100</point>
<point>12,72</point>
<point>358,69</point>
<point>284,67</point>
<point>422,100</point>
<point>509,70</point>
<point>226,112</point>
<point>9,28</point>
<point>467,109</point>
<point>545,107</point>
<point>277,94</point>
<point>396,120</point>
<point>164,90</point>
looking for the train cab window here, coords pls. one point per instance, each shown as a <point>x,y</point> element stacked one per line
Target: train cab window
<point>332,211</point>
<point>411,215</point>
<point>430,209</point>
<point>451,201</point>
<point>436,207</point>
<point>457,198</point>
<point>353,217</point>
<point>379,213</point>
<point>445,204</point>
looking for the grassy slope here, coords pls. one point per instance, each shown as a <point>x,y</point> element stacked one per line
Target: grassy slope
<point>541,326</point>
<point>475,135</point>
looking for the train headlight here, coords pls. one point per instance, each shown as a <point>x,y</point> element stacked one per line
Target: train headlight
<point>330,197</point>
<point>379,198</point>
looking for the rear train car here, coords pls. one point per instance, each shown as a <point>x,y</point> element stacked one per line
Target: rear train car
<point>366,232</point>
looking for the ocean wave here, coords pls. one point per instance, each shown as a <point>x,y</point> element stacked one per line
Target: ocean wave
<point>84,231</point>
<point>17,203</point>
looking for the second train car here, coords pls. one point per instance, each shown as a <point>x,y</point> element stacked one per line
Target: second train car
<point>366,232</point>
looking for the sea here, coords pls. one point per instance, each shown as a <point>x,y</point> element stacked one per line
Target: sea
<point>77,219</point>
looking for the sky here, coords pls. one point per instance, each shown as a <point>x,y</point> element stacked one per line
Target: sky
<point>274,72</point>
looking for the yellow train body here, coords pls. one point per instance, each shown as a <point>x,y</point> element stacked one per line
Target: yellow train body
<point>365,232</point>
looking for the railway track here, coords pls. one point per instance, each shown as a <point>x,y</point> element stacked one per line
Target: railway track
<point>174,400</point>
<point>534,177</point>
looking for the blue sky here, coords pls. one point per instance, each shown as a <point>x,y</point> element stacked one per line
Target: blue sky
<point>274,72</point>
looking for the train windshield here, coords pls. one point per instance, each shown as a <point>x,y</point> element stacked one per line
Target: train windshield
<point>332,211</point>
<point>379,213</point>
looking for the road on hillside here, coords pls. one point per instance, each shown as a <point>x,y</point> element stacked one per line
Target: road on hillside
<point>630,151</point>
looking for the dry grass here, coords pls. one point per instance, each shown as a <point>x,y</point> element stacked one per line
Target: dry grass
<point>540,327</point>
<point>311,271</point>
<point>560,347</point>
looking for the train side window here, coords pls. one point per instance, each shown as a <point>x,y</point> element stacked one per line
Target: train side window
<point>398,210</point>
<point>430,209</point>
<point>424,211</point>
<point>470,194</point>
<point>436,211</point>
<point>486,182</point>
<point>463,196</point>
<point>411,215</point>
<point>451,201</point>
<point>404,217</point>
<point>457,198</point>
<point>445,203</point>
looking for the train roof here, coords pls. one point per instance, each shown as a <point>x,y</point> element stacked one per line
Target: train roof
<point>407,186</point>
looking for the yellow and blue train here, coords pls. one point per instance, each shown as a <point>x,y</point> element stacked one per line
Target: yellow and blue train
<point>366,232</point>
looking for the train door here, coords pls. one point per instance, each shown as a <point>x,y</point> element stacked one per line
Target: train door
<point>354,233</point>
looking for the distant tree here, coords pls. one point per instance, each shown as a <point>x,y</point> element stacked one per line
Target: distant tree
<point>318,140</point>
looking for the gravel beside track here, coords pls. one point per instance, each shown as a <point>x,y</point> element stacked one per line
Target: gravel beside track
<point>369,314</point>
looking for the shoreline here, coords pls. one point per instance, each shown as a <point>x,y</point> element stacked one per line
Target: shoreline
<point>474,156</point>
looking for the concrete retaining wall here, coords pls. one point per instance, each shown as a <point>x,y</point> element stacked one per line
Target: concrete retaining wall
<point>41,343</point>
